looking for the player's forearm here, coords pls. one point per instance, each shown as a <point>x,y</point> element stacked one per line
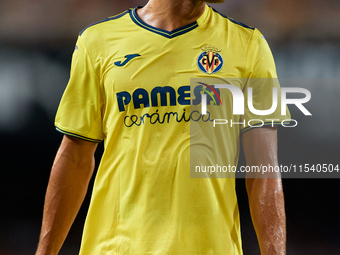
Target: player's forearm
<point>65,193</point>
<point>266,205</point>
<point>265,194</point>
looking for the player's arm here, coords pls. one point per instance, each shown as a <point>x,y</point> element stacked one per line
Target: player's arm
<point>71,172</point>
<point>266,201</point>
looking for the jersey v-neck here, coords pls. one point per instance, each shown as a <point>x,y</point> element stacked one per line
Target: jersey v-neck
<point>168,34</point>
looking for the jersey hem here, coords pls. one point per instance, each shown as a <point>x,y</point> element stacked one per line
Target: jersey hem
<point>77,136</point>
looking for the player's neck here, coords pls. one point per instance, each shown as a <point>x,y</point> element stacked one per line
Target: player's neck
<point>171,14</point>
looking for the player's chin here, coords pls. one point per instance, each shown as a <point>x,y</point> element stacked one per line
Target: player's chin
<point>214,1</point>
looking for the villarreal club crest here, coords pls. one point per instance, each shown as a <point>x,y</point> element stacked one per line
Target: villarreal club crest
<point>210,61</point>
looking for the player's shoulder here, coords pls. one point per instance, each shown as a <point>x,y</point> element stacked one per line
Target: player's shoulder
<point>234,26</point>
<point>111,23</point>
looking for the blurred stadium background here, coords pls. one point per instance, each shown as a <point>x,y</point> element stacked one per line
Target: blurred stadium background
<point>36,43</point>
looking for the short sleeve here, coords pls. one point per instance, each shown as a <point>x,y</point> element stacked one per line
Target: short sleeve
<point>80,109</point>
<point>262,81</point>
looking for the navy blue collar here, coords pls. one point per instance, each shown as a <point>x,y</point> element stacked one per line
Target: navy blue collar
<point>162,32</point>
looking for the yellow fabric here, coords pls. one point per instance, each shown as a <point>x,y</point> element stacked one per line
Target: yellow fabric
<point>144,201</point>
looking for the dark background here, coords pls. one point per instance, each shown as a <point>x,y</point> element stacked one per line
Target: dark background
<point>36,43</point>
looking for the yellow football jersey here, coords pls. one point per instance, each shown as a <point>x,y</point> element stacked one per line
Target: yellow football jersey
<point>130,87</point>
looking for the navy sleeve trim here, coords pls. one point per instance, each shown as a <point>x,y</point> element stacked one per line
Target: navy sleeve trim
<point>258,125</point>
<point>78,136</point>
<point>107,19</point>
